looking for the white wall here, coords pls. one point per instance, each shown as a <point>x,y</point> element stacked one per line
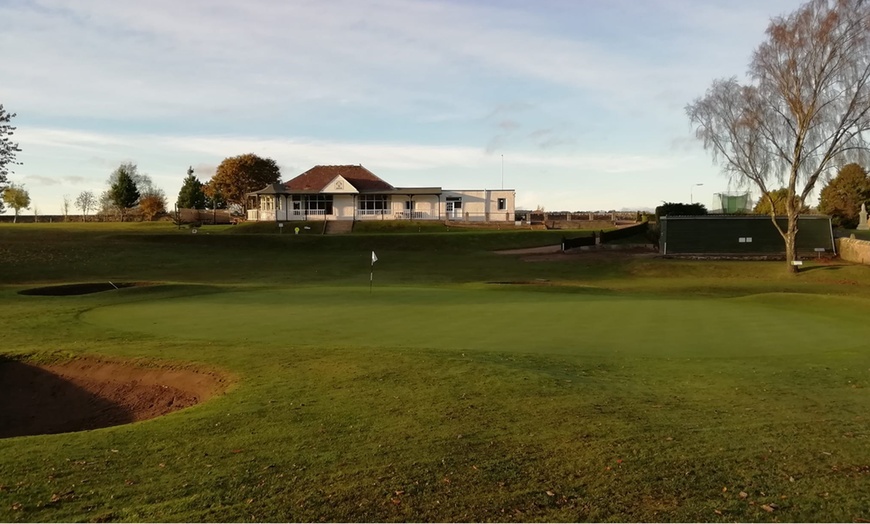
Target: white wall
<point>481,204</point>
<point>477,205</point>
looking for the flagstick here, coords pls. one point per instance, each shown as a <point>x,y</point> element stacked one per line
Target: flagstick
<point>372,274</point>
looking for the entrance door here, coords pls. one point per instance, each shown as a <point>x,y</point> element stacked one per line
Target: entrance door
<point>454,207</point>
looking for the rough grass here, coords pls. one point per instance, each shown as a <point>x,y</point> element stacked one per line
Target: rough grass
<point>609,389</point>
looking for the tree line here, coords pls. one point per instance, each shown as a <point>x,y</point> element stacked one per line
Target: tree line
<point>133,194</point>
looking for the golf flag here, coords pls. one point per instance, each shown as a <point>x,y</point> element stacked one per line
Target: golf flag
<point>372,274</point>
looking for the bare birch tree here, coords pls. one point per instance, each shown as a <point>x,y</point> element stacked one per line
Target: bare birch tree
<point>85,202</point>
<point>804,112</point>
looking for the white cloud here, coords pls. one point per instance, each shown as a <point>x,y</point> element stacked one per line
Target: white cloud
<point>166,159</point>
<point>584,98</point>
<point>165,59</point>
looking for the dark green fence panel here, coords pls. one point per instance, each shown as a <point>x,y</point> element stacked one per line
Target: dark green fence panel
<point>625,232</point>
<point>570,243</point>
<point>741,235</point>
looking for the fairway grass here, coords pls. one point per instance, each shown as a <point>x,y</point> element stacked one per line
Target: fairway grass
<point>602,389</point>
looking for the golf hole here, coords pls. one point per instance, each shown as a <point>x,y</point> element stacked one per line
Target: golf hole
<point>84,394</point>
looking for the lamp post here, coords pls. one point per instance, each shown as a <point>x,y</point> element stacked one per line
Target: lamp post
<point>691,193</point>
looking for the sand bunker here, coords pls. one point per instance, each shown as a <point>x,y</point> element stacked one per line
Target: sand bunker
<point>84,394</point>
<point>76,289</point>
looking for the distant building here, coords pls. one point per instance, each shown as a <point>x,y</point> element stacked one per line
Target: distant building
<point>353,192</point>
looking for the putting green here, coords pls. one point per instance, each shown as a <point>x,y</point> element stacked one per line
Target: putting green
<point>517,319</point>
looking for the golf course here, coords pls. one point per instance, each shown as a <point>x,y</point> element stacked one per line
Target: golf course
<point>445,382</point>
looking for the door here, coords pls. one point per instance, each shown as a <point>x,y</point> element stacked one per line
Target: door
<point>454,208</point>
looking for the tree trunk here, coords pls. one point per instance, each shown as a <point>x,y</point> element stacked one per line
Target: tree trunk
<point>15,219</point>
<point>790,235</point>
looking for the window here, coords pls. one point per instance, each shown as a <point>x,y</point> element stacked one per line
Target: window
<point>502,204</point>
<point>372,204</point>
<point>321,203</point>
<point>409,205</point>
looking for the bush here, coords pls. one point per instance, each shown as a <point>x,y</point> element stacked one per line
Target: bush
<point>675,208</point>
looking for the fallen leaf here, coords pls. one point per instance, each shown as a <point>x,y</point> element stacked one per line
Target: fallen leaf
<point>716,511</point>
<point>550,493</point>
<point>768,508</point>
<point>724,489</point>
<point>16,506</point>
<point>743,495</point>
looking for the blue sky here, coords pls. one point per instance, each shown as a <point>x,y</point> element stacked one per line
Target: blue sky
<point>583,99</point>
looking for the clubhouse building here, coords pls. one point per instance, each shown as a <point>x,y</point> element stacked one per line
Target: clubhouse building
<point>355,193</point>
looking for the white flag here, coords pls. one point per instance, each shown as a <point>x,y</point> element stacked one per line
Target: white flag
<point>374,257</point>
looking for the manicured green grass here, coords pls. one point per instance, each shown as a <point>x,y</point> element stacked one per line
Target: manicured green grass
<point>587,388</point>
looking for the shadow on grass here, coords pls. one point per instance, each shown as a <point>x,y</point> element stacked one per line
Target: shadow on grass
<point>75,289</point>
<point>820,268</point>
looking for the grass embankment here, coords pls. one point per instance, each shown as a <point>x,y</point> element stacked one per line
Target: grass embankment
<point>603,388</point>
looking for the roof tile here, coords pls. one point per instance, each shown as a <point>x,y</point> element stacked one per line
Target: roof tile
<point>316,178</point>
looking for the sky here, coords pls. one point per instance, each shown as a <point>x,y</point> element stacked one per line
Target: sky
<point>575,104</point>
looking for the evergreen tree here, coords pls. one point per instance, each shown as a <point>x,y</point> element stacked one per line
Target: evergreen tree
<point>843,195</point>
<point>191,195</point>
<point>123,193</point>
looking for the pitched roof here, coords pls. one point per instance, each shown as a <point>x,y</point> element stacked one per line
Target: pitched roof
<point>316,178</point>
<point>272,189</point>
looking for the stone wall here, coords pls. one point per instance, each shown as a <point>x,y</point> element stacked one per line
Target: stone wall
<point>853,250</point>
